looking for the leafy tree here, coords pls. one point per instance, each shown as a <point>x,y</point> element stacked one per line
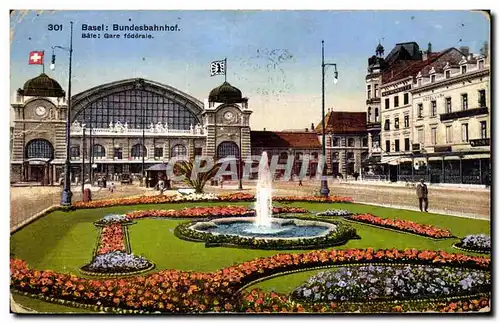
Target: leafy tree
<point>186,169</point>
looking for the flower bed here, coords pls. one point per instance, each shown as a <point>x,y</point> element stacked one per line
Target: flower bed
<point>111,239</point>
<point>476,243</point>
<point>334,213</point>
<point>236,197</point>
<point>382,282</point>
<point>259,301</point>
<point>403,225</point>
<point>192,292</point>
<point>112,219</point>
<point>340,235</point>
<point>117,262</point>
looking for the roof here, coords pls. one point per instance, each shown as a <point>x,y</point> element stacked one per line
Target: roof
<point>344,122</point>
<point>284,139</point>
<point>42,85</point>
<point>404,51</point>
<point>225,93</point>
<point>411,68</point>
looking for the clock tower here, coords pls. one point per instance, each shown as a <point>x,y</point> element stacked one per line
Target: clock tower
<point>38,144</point>
<point>226,117</point>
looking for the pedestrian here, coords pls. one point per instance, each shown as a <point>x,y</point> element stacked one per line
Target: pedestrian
<point>422,192</point>
<point>112,187</point>
<point>300,181</point>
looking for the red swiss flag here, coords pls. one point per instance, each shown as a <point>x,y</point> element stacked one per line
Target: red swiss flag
<point>36,57</point>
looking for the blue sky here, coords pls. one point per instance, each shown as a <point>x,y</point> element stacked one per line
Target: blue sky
<point>284,95</point>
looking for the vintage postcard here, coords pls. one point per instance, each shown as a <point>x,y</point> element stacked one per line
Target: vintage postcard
<point>256,162</point>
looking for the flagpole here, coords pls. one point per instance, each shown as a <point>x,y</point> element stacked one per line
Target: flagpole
<point>43,62</point>
<point>225,69</point>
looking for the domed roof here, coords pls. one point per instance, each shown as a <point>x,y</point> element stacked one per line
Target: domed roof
<point>225,93</point>
<point>380,48</point>
<point>42,85</point>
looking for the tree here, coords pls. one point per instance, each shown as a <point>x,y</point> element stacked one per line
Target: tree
<point>186,169</point>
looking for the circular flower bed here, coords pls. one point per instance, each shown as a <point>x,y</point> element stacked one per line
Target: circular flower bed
<point>339,233</point>
<point>476,243</point>
<point>117,262</point>
<point>398,282</point>
<point>334,212</point>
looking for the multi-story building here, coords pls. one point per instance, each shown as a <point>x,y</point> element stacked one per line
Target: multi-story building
<point>397,116</point>
<point>376,64</point>
<point>451,103</point>
<point>346,142</point>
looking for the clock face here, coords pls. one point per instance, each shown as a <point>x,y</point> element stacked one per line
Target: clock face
<point>41,111</point>
<point>228,115</point>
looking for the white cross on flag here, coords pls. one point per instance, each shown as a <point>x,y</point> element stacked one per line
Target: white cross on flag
<point>218,68</point>
<point>36,57</point>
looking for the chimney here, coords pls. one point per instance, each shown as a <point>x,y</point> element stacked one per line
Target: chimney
<point>312,126</point>
<point>471,56</point>
<point>429,48</point>
<point>264,129</point>
<point>464,50</point>
<point>307,129</point>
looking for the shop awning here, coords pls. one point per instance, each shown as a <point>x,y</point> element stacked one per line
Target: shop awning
<point>476,156</point>
<point>391,160</point>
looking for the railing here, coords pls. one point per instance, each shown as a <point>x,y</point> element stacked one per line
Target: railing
<point>374,177</point>
<point>134,131</point>
<point>463,113</point>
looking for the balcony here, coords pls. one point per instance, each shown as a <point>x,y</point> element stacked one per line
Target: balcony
<point>373,100</point>
<point>463,113</point>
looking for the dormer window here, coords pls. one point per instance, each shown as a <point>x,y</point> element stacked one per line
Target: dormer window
<point>433,78</point>
<point>419,82</point>
<point>480,64</point>
<point>463,69</point>
<point>447,74</point>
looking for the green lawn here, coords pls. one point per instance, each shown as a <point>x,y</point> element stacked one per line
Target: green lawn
<point>64,241</point>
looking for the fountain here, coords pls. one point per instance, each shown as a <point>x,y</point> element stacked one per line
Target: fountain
<point>263,225</point>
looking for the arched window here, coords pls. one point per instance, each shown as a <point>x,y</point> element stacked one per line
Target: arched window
<point>283,156</point>
<point>376,115</point>
<point>74,151</point>
<point>227,148</point>
<point>99,151</point>
<point>314,156</point>
<point>137,151</point>
<point>39,148</point>
<point>179,151</point>
<point>137,108</point>
<point>369,114</point>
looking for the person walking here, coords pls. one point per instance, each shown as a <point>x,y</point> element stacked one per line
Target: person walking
<point>422,193</point>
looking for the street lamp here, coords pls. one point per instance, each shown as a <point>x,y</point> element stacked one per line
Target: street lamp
<point>66,193</point>
<point>324,191</point>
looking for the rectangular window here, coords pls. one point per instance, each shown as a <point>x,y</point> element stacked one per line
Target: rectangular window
<point>396,145</point>
<point>433,108</point>
<point>387,103</point>
<point>198,151</point>
<point>365,141</point>
<point>406,98</point>
<point>433,78</point>
<point>407,144</point>
<point>335,142</point>
<point>388,146</point>
<point>118,154</point>
<point>369,91</point>
<point>465,132</point>
<point>449,134</point>
<point>421,135</point>
<point>396,101</point>
<point>482,98</point>
<point>483,130</point>
<point>420,110</point>
<point>465,103</point>
<point>447,74</point>
<point>448,105</point>
<point>350,142</point>
<point>335,155</point>
<point>407,121</point>
<point>375,88</point>
<point>481,64</point>
<point>387,125</point>
<point>396,123</point>
<point>433,136</point>
<point>350,155</point>
<point>158,152</point>
<point>419,82</point>
<point>464,69</point>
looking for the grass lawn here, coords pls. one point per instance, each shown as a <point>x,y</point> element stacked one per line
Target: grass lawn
<point>64,241</point>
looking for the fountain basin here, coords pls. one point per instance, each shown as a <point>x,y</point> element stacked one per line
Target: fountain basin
<point>281,234</point>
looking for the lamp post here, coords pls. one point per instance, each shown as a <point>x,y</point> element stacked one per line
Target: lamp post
<point>66,193</point>
<point>240,179</point>
<point>324,191</point>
